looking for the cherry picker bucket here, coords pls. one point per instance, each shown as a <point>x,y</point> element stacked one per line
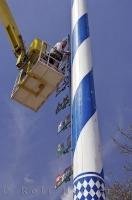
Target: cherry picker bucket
<point>34,87</point>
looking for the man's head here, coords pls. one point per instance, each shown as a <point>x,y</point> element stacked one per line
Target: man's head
<point>64,43</point>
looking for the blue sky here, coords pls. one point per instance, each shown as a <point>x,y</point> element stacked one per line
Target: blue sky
<point>28,140</point>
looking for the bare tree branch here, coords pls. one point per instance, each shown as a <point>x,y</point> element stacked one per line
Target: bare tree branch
<point>119,191</point>
<point>126,134</point>
<point>123,147</point>
<point>128,167</point>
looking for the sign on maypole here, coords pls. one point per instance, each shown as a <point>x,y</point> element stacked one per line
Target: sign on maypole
<point>87,158</point>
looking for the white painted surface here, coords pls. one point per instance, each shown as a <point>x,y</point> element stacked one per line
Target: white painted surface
<point>87,155</point>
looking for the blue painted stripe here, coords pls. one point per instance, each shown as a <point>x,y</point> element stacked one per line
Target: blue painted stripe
<point>83,107</point>
<point>80,33</point>
<point>87,173</point>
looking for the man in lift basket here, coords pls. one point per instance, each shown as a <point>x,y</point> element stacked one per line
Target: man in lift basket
<point>57,52</point>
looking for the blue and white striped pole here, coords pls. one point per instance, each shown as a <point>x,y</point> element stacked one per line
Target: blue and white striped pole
<point>87,159</point>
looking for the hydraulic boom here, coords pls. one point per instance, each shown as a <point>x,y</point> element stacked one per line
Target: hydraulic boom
<point>24,57</point>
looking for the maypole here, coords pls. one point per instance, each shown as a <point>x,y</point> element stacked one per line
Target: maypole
<point>87,158</point>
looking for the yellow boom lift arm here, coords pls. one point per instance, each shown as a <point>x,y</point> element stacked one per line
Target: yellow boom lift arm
<point>14,35</point>
<point>37,79</point>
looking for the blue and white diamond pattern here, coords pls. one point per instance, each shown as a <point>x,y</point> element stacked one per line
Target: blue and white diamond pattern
<point>89,188</point>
